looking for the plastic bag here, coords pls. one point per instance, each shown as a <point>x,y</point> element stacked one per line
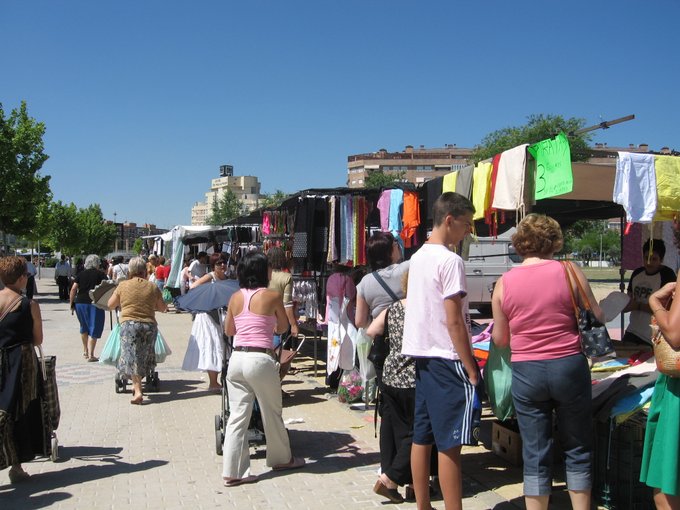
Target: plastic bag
<point>498,382</point>
<point>161,348</point>
<point>111,351</point>
<point>351,388</point>
<point>167,296</point>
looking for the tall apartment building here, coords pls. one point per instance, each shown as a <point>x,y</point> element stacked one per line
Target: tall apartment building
<point>421,164</point>
<point>245,187</point>
<point>417,165</point>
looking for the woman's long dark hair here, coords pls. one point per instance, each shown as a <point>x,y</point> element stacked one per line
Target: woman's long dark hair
<point>253,270</point>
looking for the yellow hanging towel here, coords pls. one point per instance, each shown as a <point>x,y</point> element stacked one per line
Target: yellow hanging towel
<point>481,188</point>
<point>449,182</point>
<point>668,187</point>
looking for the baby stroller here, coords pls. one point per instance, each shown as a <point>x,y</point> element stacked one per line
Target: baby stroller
<point>256,435</point>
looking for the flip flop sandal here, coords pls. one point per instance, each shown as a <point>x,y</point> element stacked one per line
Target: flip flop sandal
<point>233,482</point>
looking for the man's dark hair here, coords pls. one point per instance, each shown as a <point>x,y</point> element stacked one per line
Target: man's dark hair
<point>453,204</point>
<point>253,270</point>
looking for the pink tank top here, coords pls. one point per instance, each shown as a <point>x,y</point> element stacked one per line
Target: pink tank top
<point>253,329</point>
<point>537,303</point>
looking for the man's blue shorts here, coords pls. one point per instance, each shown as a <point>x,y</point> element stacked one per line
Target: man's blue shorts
<point>444,404</point>
<point>91,319</point>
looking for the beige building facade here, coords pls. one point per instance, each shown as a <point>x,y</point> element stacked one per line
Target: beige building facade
<point>417,165</point>
<point>245,187</point>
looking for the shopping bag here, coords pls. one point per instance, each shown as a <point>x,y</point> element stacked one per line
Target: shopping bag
<point>167,296</point>
<point>111,351</point>
<point>49,375</point>
<point>498,382</point>
<point>350,389</point>
<point>161,348</point>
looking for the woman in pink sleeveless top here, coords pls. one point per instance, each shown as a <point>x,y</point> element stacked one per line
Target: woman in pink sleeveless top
<point>533,313</point>
<point>253,315</point>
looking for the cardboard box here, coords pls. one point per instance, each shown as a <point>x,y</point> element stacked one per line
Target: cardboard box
<point>506,443</point>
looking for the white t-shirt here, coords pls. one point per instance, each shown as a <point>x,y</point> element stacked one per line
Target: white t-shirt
<point>435,273</point>
<point>196,269</point>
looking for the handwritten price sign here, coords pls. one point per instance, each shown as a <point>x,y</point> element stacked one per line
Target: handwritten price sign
<point>553,167</point>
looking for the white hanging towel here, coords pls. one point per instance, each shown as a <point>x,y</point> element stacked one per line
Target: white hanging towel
<point>342,336</point>
<point>509,192</point>
<point>635,186</point>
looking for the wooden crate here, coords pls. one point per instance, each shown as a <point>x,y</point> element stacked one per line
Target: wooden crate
<point>506,443</point>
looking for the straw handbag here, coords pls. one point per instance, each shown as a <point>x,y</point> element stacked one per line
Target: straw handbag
<point>667,358</point>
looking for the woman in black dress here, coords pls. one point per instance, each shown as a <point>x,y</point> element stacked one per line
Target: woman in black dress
<point>20,329</point>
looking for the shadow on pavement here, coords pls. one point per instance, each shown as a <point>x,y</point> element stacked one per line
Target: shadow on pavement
<point>326,452</point>
<point>26,495</point>
<point>295,397</point>
<point>88,452</point>
<point>178,389</point>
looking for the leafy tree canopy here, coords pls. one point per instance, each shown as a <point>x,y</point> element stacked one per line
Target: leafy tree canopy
<point>22,188</point>
<point>75,231</point>
<point>379,179</point>
<point>537,128</point>
<point>226,208</point>
<point>273,200</point>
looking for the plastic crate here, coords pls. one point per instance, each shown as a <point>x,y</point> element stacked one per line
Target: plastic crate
<point>616,466</point>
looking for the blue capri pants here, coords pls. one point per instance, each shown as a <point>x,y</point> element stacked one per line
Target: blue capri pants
<point>538,388</point>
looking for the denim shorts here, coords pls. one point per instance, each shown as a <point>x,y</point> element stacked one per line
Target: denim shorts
<point>444,404</point>
<point>538,388</point>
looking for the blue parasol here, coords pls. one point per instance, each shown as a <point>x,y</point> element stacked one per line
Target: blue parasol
<point>207,297</point>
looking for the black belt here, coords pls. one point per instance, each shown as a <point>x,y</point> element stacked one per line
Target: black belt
<point>263,350</point>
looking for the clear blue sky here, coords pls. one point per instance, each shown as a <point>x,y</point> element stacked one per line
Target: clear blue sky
<point>143,100</point>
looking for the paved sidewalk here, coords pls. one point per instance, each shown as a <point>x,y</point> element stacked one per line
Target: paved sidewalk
<point>162,454</point>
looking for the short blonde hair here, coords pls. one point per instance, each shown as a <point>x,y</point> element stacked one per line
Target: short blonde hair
<point>537,234</point>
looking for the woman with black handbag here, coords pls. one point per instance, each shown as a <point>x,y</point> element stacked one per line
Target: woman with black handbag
<point>533,312</point>
<point>382,287</point>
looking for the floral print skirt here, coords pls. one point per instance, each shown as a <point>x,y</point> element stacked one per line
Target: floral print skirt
<point>137,355</point>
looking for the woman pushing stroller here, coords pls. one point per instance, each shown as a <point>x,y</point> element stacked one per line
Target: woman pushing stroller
<point>253,315</point>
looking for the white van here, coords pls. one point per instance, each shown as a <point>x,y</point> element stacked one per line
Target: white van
<point>487,259</point>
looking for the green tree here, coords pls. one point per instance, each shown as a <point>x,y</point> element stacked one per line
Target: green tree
<point>380,179</point>
<point>95,235</point>
<point>60,223</point>
<point>138,245</point>
<point>22,188</point>
<point>273,200</point>
<point>537,128</point>
<point>226,208</point>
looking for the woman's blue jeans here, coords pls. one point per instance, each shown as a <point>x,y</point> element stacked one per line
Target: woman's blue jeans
<point>538,388</point>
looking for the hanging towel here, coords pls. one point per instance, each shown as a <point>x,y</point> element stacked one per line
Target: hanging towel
<point>635,186</point>
<point>480,188</point>
<point>266,219</point>
<point>464,181</point>
<point>449,183</point>
<point>431,191</point>
<point>509,190</point>
<point>384,208</point>
<point>667,169</point>
<point>631,255</point>
<point>554,176</point>
<point>411,217</point>
<point>396,202</point>
<point>332,253</point>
